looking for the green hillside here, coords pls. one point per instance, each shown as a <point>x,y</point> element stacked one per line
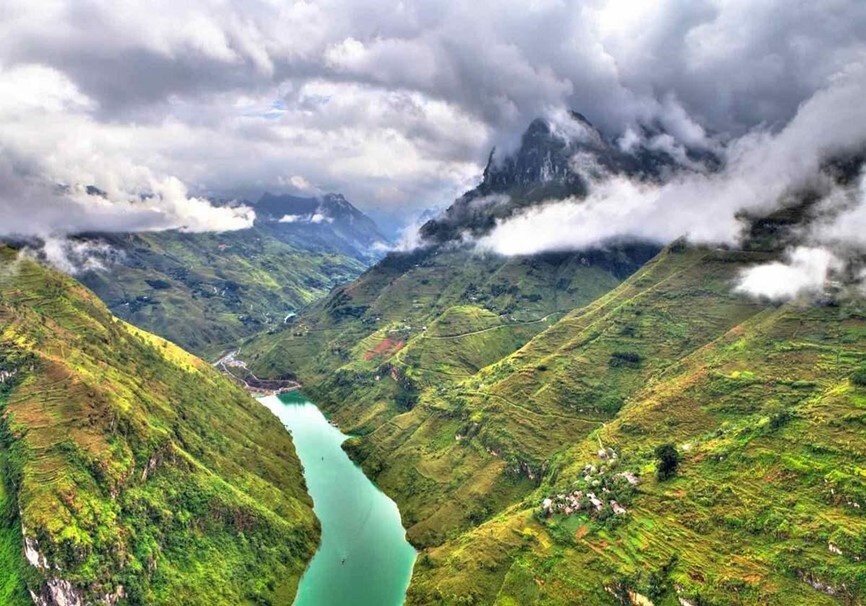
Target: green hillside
<point>439,294</point>
<point>470,433</point>
<point>207,291</point>
<point>767,505</point>
<point>138,474</point>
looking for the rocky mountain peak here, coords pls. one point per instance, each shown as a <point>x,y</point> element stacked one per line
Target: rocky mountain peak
<point>329,220</point>
<point>557,157</point>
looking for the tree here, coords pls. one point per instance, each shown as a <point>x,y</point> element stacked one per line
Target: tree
<point>668,461</point>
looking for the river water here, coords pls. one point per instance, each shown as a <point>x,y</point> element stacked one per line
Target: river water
<point>364,558</point>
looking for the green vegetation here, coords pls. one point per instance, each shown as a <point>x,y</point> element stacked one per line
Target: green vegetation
<point>761,403</point>
<point>206,292</point>
<point>12,564</point>
<point>858,377</point>
<point>668,461</point>
<point>138,470</point>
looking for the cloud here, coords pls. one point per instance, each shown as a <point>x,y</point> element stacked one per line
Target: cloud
<point>369,98</point>
<point>314,218</point>
<point>761,169</point>
<point>805,271</point>
<point>52,150</point>
<point>409,235</point>
<point>73,256</point>
<point>843,220</point>
<point>299,183</point>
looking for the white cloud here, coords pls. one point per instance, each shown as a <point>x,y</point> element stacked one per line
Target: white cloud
<point>845,224</point>
<point>314,218</point>
<point>804,272</point>
<point>51,149</point>
<point>761,169</point>
<point>364,97</point>
<point>73,256</point>
<point>301,184</point>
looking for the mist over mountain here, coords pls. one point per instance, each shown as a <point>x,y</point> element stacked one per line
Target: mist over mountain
<point>330,216</point>
<point>231,106</point>
<point>579,286</point>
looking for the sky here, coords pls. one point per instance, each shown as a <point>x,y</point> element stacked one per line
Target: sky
<point>164,103</point>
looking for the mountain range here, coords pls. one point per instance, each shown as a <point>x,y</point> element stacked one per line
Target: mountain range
<point>514,406</point>
<point>611,425</point>
<point>207,291</point>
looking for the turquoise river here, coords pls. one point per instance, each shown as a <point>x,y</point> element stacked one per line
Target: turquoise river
<point>364,558</point>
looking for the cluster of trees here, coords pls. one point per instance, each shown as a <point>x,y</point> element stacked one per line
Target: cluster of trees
<point>624,358</point>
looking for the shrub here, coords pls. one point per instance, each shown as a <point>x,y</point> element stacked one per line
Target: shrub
<point>779,419</point>
<point>624,358</point>
<point>668,461</point>
<point>858,377</point>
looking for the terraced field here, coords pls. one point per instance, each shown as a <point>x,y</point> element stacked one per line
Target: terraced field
<point>767,507</point>
<point>771,485</point>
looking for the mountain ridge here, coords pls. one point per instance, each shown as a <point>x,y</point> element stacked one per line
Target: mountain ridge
<point>134,472</point>
<point>481,387</point>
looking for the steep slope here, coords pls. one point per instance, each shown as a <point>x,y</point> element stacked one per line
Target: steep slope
<point>767,505</point>
<point>556,159</point>
<point>513,407</point>
<point>208,291</point>
<point>132,471</point>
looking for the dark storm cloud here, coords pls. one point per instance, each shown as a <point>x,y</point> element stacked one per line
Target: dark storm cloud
<point>396,105</point>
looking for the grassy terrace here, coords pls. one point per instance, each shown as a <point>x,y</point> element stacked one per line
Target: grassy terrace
<point>766,507</point>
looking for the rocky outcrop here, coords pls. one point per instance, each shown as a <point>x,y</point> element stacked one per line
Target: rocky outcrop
<point>557,159</point>
<point>57,591</point>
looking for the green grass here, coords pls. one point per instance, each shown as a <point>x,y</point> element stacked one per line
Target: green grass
<point>13,590</point>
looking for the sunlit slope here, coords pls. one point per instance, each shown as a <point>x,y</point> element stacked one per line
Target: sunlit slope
<point>404,293</point>
<point>475,444</point>
<point>134,468</point>
<point>767,507</point>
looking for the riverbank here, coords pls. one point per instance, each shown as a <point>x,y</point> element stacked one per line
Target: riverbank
<point>238,371</point>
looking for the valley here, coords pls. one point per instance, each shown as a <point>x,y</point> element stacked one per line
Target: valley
<point>480,386</point>
<point>342,303</point>
<point>514,407</point>
<point>670,355</point>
